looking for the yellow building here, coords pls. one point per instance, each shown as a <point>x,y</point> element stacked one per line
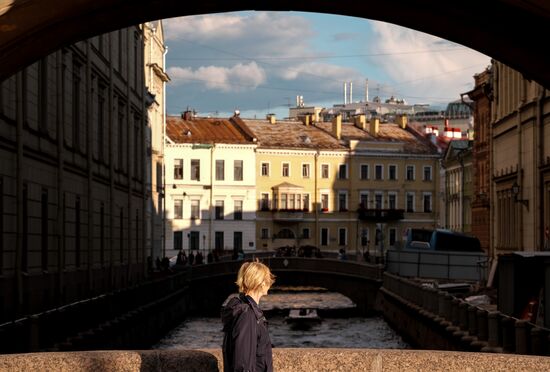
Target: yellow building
<point>342,186</point>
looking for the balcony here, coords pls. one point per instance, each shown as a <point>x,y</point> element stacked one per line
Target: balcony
<point>288,215</point>
<point>380,215</point>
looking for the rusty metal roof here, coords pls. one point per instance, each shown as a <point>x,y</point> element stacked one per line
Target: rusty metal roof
<point>288,134</point>
<point>207,130</point>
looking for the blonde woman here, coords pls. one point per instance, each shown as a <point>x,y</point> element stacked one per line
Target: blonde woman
<point>246,341</point>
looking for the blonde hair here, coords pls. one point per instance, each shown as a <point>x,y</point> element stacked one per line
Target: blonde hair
<point>253,275</point>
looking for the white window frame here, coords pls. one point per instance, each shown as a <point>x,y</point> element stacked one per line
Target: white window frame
<point>414,172</point>
<point>346,175</point>
<point>327,193</point>
<point>413,201</point>
<point>431,172</point>
<point>328,171</point>
<point>283,168</point>
<point>381,193</point>
<point>396,172</point>
<point>308,170</point>
<point>308,201</point>
<point>343,192</point>
<point>361,172</point>
<point>321,237</point>
<point>381,173</point>
<point>198,216</point>
<point>268,200</point>
<point>431,201</point>
<point>268,169</point>
<point>367,193</point>
<point>345,236</point>
<point>396,199</point>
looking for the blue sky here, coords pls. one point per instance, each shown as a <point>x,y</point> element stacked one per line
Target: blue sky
<point>258,62</point>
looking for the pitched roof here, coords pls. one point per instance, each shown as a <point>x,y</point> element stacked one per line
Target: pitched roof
<point>206,130</point>
<point>288,134</point>
<point>388,133</point>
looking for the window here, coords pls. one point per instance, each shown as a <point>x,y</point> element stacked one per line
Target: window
<point>342,201</point>
<point>305,170</point>
<point>178,169</point>
<point>286,169</point>
<point>392,172</point>
<point>324,170</point>
<point>364,200</point>
<point>342,171</point>
<point>324,202</point>
<point>195,169</point>
<point>178,240</point>
<point>195,211</point>
<point>238,241</point>
<point>342,236</point>
<point>284,201</point>
<point>219,210</point>
<point>378,201</point>
<point>427,203</point>
<point>44,229</point>
<point>324,236</point>
<point>392,201</point>
<point>410,173</point>
<point>392,237</point>
<point>364,237</point>
<point>76,109</point>
<point>265,233</point>
<point>410,202</point>
<point>238,212</point>
<point>218,240</point>
<point>178,209</point>
<point>427,173</point>
<point>220,170</point>
<point>305,233</point>
<point>378,172</point>
<point>265,169</point>
<point>194,240</point>
<point>364,171</point>
<point>238,170</point>
<point>306,201</point>
<point>264,202</point>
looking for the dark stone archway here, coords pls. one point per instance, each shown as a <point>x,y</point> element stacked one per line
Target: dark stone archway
<point>508,30</point>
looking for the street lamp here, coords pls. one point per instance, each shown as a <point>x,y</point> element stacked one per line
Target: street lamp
<point>515,191</point>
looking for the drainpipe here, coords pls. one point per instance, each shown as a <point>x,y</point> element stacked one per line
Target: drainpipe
<point>211,196</point>
<point>519,172</point>
<point>163,210</point>
<point>315,200</point>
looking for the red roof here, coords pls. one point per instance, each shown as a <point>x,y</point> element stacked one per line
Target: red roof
<point>207,130</point>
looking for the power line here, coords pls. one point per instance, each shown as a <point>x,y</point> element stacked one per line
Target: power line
<point>316,57</point>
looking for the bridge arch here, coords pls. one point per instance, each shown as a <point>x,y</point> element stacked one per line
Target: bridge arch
<point>30,29</point>
<point>211,284</point>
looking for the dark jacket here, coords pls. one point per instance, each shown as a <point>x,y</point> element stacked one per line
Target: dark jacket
<point>246,342</point>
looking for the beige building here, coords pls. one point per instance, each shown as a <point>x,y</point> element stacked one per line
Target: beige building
<point>520,162</point>
<point>73,174</point>
<point>458,165</point>
<point>155,82</point>
<point>339,185</point>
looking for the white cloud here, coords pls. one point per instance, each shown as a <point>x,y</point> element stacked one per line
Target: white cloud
<point>238,78</point>
<point>329,73</point>
<point>438,73</point>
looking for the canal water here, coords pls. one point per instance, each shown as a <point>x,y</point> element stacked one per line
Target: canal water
<point>332,332</point>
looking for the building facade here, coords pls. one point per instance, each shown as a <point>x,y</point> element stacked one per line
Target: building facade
<point>481,226</point>
<point>458,164</point>
<point>73,174</point>
<point>210,185</point>
<point>155,82</point>
<point>356,187</point>
<point>520,162</point>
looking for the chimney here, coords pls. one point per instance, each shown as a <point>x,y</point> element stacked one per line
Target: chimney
<point>361,121</point>
<point>337,126</point>
<point>306,119</point>
<point>187,115</point>
<point>446,124</point>
<point>350,92</point>
<point>402,121</point>
<point>367,90</point>
<point>271,118</point>
<point>345,93</point>
<point>374,126</point>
